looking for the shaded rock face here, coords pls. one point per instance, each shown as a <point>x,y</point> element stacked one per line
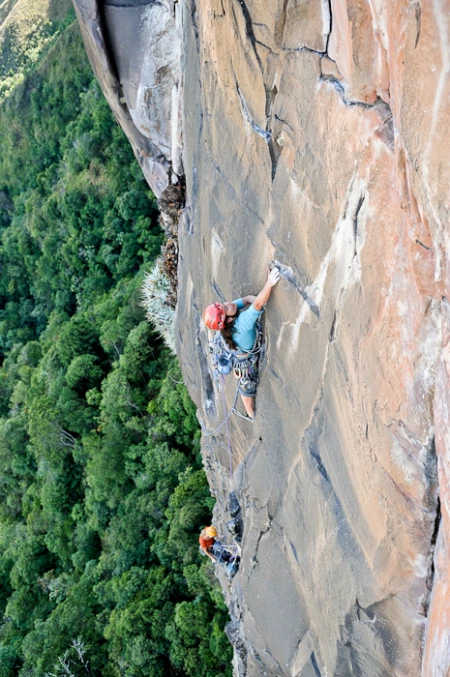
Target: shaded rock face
<point>134,48</point>
<point>314,134</point>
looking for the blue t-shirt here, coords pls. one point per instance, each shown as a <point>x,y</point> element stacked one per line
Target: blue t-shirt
<point>244,330</point>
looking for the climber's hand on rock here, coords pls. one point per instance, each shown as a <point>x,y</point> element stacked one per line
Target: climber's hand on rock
<point>273,277</point>
<point>264,294</point>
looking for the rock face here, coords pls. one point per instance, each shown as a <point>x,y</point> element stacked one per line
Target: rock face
<point>317,135</point>
<point>134,48</point>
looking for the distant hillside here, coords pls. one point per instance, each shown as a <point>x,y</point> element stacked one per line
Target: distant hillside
<point>27,30</point>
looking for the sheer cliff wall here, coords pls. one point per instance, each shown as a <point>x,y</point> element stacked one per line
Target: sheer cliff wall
<point>317,135</point>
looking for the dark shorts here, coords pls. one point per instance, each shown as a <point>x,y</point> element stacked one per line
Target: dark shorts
<point>222,555</point>
<point>249,381</point>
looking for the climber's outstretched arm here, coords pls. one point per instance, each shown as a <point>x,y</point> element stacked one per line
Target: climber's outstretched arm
<point>206,551</point>
<point>263,296</point>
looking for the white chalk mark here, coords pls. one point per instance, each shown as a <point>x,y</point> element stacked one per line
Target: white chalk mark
<point>217,249</point>
<point>343,255</point>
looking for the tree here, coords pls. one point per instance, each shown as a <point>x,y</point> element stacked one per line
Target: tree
<point>101,484</point>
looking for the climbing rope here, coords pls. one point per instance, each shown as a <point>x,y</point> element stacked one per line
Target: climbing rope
<point>258,348</point>
<point>233,406</point>
<point>224,423</point>
<point>230,453</point>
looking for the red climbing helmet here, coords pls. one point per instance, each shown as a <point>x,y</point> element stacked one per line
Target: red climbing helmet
<point>214,316</point>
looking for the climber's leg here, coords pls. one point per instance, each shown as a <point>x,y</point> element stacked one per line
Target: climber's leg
<point>249,404</point>
<point>247,390</point>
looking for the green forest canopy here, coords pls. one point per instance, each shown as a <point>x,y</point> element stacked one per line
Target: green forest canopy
<point>27,30</point>
<point>102,488</point>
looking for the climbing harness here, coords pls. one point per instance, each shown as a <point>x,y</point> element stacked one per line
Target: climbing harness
<point>234,550</point>
<point>232,560</point>
<point>228,555</point>
<point>243,364</point>
<point>226,360</point>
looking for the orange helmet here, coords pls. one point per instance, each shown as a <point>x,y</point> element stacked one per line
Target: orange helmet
<point>210,532</point>
<point>214,316</point>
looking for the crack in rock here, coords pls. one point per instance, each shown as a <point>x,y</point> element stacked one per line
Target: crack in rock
<point>266,134</point>
<point>330,14</point>
<point>355,219</point>
<point>314,664</point>
<point>332,336</point>
<point>424,457</point>
<point>247,116</point>
<point>235,195</point>
<point>234,632</point>
<point>344,250</point>
<point>305,658</point>
<point>386,129</point>
<point>304,48</point>
<point>208,387</point>
<point>294,551</point>
<point>418,13</point>
<point>423,245</point>
<point>269,653</point>
<point>284,122</point>
<point>431,572</point>
<point>288,274</point>
<point>249,30</point>
<point>254,559</point>
<point>218,291</point>
<point>280,24</point>
<point>312,434</point>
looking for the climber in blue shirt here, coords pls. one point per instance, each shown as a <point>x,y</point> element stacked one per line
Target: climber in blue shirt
<point>237,322</point>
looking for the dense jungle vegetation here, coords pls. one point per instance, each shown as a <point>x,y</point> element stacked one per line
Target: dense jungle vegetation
<point>27,29</point>
<point>102,489</point>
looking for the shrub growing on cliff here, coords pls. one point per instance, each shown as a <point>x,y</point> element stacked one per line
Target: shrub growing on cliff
<point>155,293</point>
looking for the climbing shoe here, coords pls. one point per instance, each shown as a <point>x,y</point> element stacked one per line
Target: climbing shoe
<point>246,417</point>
